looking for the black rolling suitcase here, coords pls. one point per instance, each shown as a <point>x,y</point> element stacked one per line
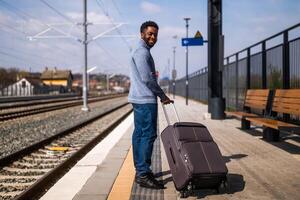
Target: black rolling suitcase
<point>194,158</point>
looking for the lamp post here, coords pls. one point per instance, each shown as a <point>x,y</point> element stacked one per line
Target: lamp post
<point>174,72</point>
<point>107,79</point>
<point>187,61</point>
<point>88,77</point>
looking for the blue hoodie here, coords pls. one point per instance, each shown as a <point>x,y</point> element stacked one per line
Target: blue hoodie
<point>143,82</point>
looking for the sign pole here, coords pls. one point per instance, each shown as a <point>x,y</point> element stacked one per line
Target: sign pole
<point>174,72</point>
<point>187,62</point>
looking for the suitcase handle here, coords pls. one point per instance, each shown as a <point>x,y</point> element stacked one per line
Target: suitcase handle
<point>166,114</point>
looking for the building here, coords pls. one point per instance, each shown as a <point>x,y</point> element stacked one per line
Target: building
<point>57,77</point>
<point>25,87</point>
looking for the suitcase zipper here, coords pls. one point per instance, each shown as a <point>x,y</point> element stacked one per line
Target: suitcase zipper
<point>176,141</point>
<point>195,134</point>
<point>205,157</point>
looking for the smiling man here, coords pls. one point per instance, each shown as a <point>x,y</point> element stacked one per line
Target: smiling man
<point>143,93</point>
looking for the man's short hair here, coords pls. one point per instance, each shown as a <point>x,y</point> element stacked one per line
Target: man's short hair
<point>148,23</point>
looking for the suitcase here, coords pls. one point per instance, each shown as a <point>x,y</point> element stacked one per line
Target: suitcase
<point>194,158</point>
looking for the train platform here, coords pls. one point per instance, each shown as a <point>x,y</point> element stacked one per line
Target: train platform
<point>257,169</point>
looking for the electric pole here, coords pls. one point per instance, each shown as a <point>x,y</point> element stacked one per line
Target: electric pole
<point>84,74</point>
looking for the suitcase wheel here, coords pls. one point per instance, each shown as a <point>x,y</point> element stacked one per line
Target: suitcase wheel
<point>184,194</point>
<point>187,191</point>
<point>222,188</point>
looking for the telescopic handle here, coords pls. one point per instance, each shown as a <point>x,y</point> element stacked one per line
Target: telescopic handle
<point>166,114</point>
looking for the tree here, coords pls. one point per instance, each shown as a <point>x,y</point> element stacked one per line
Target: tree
<point>274,78</point>
<point>7,76</point>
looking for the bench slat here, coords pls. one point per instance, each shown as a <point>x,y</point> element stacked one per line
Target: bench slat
<point>288,110</point>
<point>286,100</point>
<point>258,92</point>
<point>271,123</point>
<point>294,93</point>
<point>256,102</point>
<point>258,105</point>
<point>260,98</point>
<point>240,114</point>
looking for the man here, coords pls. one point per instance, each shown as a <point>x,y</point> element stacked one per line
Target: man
<point>143,93</point>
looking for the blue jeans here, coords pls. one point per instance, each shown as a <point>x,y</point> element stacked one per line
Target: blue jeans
<point>144,135</point>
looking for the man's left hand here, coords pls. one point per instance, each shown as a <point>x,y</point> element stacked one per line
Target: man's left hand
<point>167,101</point>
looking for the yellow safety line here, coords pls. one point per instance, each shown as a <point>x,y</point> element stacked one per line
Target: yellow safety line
<point>124,181</point>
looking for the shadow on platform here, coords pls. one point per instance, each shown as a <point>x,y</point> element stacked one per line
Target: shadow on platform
<point>236,183</point>
<point>283,144</point>
<point>227,159</point>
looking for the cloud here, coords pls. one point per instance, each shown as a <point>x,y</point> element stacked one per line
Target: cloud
<point>170,31</point>
<point>91,16</point>
<point>263,19</point>
<point>150,8</point>
<point>4,18</point>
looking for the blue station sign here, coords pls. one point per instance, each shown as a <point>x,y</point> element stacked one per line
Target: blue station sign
<point>198,41</point>
<point>195,41</point>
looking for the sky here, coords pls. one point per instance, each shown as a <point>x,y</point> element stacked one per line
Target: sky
<point>245,22</point>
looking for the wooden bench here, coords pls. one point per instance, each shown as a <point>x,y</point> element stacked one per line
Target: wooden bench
<point>254,99</point>
<point>285,102</point>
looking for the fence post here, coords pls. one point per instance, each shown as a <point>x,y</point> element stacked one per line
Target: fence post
<point>236,81</point>
<point>227,81</point>
<point>248,83</point>
<point>286,66</point>
<point>264,65</point>
<point>286,61</point>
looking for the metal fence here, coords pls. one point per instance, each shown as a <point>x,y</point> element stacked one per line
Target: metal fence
<point>197,86</point>
<point>274,67</point>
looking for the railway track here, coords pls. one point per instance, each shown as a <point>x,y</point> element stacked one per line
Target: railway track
<point>26,111</point>
<point>6,106</point>
<point>13,99</point>
<point>30,171</point>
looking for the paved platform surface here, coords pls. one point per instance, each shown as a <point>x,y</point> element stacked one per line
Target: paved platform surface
<point>257,169</point>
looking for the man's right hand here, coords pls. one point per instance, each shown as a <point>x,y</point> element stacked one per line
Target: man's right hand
<point>167,101</point>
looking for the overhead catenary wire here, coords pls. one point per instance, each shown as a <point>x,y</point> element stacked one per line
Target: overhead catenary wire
<point>13,56</point>
<point>25,17</point>
<point>12,28</point>
<point>15,38</point>
<point>57,11</point>
<point>27,53</point>
<point>6,53</point>
<point>24,39</point>
<point>109,54</point>
<point>20,13</point>
<point>110,19</point>
<point>70,20</point>
<point>117,8</point>
<point>119,12</point>
<point>28,16</point>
